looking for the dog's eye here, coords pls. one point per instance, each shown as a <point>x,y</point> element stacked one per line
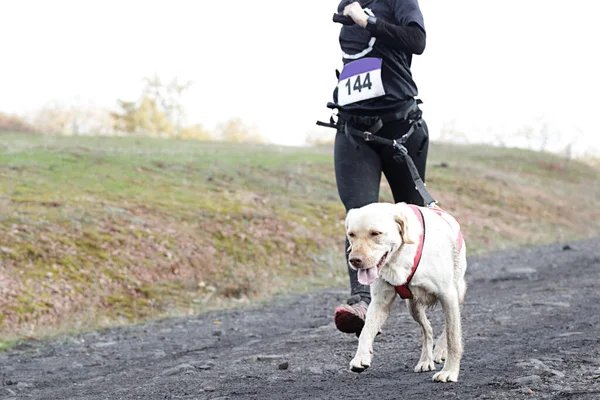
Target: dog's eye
<point>375,233</point>
<point>351,234</point>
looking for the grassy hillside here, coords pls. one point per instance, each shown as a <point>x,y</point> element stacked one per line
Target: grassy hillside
<point>99,231</point>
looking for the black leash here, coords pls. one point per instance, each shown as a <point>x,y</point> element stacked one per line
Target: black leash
<point>401,153</point>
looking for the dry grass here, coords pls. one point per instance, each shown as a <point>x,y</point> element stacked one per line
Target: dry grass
<point>103,231</point>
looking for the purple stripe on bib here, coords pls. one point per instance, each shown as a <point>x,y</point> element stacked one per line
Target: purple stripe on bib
<point>360,66</point>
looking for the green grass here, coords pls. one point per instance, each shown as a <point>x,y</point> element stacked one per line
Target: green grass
<point>102,231</point>
<point>5,345</point>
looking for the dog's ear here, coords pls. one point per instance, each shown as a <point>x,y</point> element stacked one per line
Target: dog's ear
<point>346,226</point>
<point>348,218</point>
<point>402,223</point>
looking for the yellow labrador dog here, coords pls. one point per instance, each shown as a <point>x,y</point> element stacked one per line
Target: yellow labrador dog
<point>419,254</point>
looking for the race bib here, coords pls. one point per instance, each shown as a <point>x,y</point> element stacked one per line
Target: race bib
<point>360,80</point>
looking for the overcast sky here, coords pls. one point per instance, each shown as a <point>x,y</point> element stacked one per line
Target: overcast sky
<point>490,67</point>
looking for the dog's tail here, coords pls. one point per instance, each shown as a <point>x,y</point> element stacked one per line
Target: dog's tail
<point>460,270</point>
<point>462,289</point>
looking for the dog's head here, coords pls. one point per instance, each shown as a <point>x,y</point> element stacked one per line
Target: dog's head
<point>375,232</point>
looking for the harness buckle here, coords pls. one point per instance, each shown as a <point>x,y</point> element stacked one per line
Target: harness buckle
<point>368,136</point>
<point>399,147</point>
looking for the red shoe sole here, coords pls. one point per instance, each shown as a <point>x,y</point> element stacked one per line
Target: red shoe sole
<point>347,321</point>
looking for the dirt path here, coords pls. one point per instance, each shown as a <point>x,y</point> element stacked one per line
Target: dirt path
<point>531,324</point>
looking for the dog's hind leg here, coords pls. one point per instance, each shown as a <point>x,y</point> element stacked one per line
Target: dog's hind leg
<point>440,352</point>
<point>418,313</point>
<point>383,296</point>
<point>450,303</point>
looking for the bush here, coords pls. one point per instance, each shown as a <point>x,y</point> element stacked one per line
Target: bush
<point>15,124</point>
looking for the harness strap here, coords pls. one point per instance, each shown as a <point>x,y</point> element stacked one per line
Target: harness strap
<point>379,120</point>
<point>368,135</point>
<point>403,290</point>
<point>444,215</point>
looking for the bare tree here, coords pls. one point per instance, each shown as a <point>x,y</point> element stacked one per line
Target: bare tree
<point>158,112</point>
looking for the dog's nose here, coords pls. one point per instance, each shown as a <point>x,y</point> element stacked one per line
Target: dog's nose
<point>355,261</point>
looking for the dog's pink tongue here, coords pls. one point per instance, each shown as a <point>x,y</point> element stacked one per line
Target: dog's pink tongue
<point>367,276</point>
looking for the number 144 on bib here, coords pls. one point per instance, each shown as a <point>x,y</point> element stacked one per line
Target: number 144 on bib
<point>360,80</point>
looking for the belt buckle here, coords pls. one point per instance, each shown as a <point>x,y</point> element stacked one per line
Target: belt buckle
<point>368,136</point>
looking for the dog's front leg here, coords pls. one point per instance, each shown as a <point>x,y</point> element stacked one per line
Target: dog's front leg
<point>382,298</point>
<point>418,313</point>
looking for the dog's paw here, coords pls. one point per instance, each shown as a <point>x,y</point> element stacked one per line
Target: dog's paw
<point>440,353</point>
<point>360,363</point>
<point>446,376</point>
<point>425,366</point>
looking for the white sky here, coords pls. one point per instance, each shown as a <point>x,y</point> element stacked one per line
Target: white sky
<point>489,68</point>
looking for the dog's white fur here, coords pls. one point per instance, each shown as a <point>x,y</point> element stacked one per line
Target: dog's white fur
<point>378,228</point>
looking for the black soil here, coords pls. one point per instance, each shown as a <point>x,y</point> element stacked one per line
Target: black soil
<point>531,326</point>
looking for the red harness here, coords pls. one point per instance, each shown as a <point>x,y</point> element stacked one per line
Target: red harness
<point>403,290</point>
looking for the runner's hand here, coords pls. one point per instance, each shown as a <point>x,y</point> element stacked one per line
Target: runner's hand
<point>355,11</point>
